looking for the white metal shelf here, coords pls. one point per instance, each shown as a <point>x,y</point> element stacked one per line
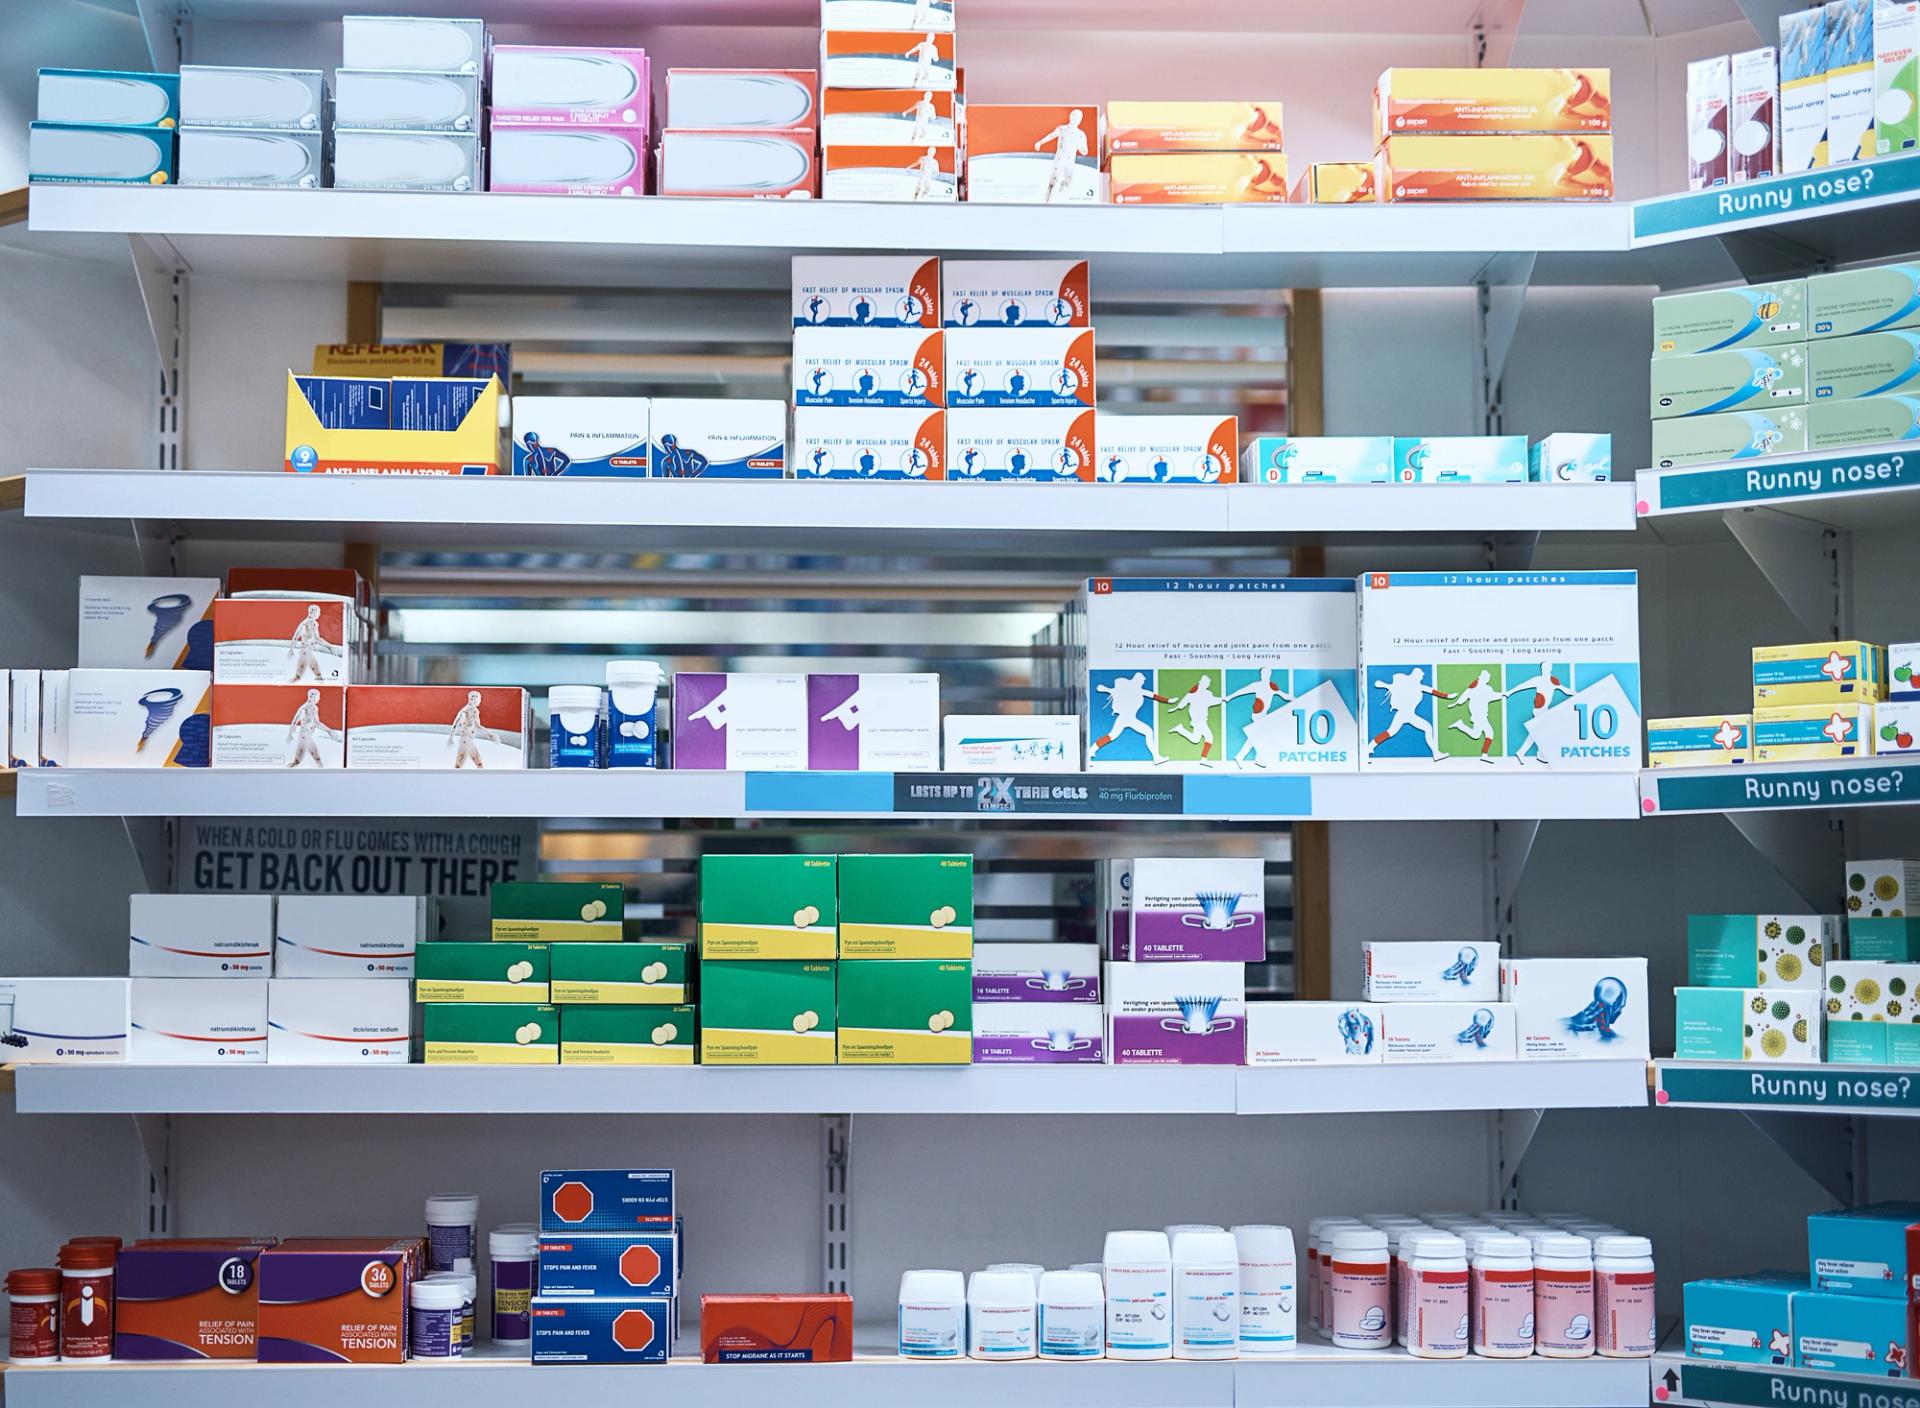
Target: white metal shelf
<point>1441,1085</point>
<point>1699,1384</point>
<point>1772,787</point>
<point>1862,486</point>
<point>540,792</point>
<point>1777,1089</point>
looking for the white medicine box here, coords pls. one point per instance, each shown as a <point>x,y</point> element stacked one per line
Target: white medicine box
<point>1314,1034</point>
<point>200,936</point>
<point>1586,1008</point>
<point>1448,1031</point>
<point>1431,970</point>
<point>63,1021</point>
<point>339,1021</point>
<point>349,936</point>
<point>199,1021</point>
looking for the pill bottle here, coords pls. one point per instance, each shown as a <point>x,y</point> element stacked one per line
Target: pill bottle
<point>1269,1284</point>
<point>633,696</point>
<point>1139,1295</point>
<point>1400,1245</point>
<point>451,1219</point>
<point>470,1282</point>
<point>86,1298</point>
<point>33,1315</point>
<point>1323,1269</point>
<point>1206,1296</point>
<point>1563,1297</point>
<point>1032,1272</point>
<point>1437,1320</point>
<point>1073,1315</point>
<point>933,1315</point>
<point>1500,1297</point>
<point>1001,1312</point>
<point>1097,1268</point>
<point>1381,1219</point>
<point>513,1251</point>
<point>576,726</point>
<point>1623,1297</point>
<point>1357,1291</point>
<point>434,1328</point>
<point>1179,1227</point>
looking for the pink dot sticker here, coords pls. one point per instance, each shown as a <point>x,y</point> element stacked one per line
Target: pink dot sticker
<point>1647,804</point>
<point>1659,1097</point>
<point>1660,1392</point>
<point>1644,508</point>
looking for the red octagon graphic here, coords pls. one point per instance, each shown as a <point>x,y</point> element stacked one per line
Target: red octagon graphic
<point>573,1202</point>
<point>639,1265</point>
<point>633,1330</point>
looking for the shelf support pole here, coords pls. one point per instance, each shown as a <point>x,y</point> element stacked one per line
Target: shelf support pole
<point>1500,293</point>
<point>1807,849</point>
<point>163,289</point>
<point>836,1231</point>
<point>1803,562</point>
<point>156,1174</point>
<point>1824,1148</point>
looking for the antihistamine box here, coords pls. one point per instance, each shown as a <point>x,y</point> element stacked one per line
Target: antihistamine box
<point>1016,293</point>
<point>1431,971</point>
<point>862,291</point>
<point>200,936</point>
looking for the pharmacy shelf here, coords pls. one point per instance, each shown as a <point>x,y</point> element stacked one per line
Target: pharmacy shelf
<point>1318,1374</point>
<point>1441,1085</point>
<point>841,796</point>
<point>806,515</point>
<point>1761,787</point>
<point>1772,1088</point>
<point>1862,486</point>
<point>1679,1380</point>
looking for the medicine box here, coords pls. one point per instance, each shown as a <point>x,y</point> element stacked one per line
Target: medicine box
<point>1710,383</point>
<point>64,1021</point>
<point>1747,1024</point>
<point>860,291</point>
<point>887,117</point>
<point>1700,740</point>
<point>1850,1334</point>
<point>1870,420</point>
<point>645,974</point>
<point>756,165</point>
<point>1753,115</point>
<point>1861,1251</point>
<point>187,1300</point>
<point>1020,367</point>
<point>769,907</point>
<point>1849,80</point>
<point>543,85</point>
<point>1221,674</point>
<point>1803,90</point>
<point>1760,950</point>
<point>372,99</point>
<point>1032,1033</point>
<point>449,971</point>
<point>1035,154</point>
<point>1871,1013</point>
<point>1882,889</point>
<point>601,1329</point>
<point>1199,909</point>
<point>1866,364</point>
<point>1495,167</point>
<point>439,404</point>
<point>1883,940</point>
<point>108,97</point>
<point>1315,1033</point>
<point>1460,459</point>
<point>1318,459</point>
<point>1709,111</point>
<point>1864,300</point>
<point>336,1300</point>
<point>592,436</point>
<point>349,402</point>
<point>390,359</point>
<point>905,906</point>
<point>53,718</point>
<point>905,1012</point>
<point>873,723</point>
<point>766,1013</point>
<point>76,154</point>
<point>753,723</point>
<point>1492,100</point>
<point>147,623</point>
<point>1336,183</point>
<point>1716,319</point>
<point>339,1022</point>
<point>490,1034</point>
<point>22,717</point>
<point>436,727</point>
<point>1447,1031</point>
<point>1463,669</point>
<point>1182,1014</point>
<point>1421,971</point>
<point>1204,126</point>
<point>556,911</point>
<point>1036,972</point>
<point>1011,742</point>
<point>200,936</point>
<point>597,1265</point>
<point>1566,457</point>
<point>198,1021</point>
<point>1027,445</point>
<point>1742,1319</point>
<point>611,1035</point>
<point>1113,906</point>
<point>875,58</point>
<point>233,156</point>
<point>1167,449</point>
<point>869,367</point>
<point>935,15</point>
<point>397,41</point>
<point>1805,732</point>
<point>1016,293</point>
<point>1733,435</point>
<point>838,442</point>
<point>279,726</point>
<point>606,1200</point>
<point>1578,1007</point>
<point>1199,178</point>
<point>408,161</point>
<point>137,718</point>
<point>349,936</point>
<point>762,1329</point>
<point>1896,78</point>
<point>1903,660</point>
<point>288,99</point>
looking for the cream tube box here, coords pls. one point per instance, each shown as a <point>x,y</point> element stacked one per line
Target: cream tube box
<point>404,42</point>
<point>1715,319</point>
<point>97,155</point>
<point>200,936</point>
<point>1492,100</point>
<point>902,173</point>
<point>1029,446</point>
<point>1870,420</point>
<point>873,723</point>
<point>761,163</point>
<point>1318,459</point>
<point>339,1021</point>
<point>1447,1031</point>
<point>717,439</point>
<point>1460,459</point>
<point>147,623</point>
<point>1864,300</point>
<point>1739,379</point>
<point>432,727</point>
<point>1152,449</point>
<point>407,161</point>
<point>882,58</point>
<point>740,722</point>
<point>1016,293</point>
<point>569,161</point>
<point>1567,457</point>
<point>348,936</point>
<point>138,718</point>
<point>1534,166</point>
<point>215,95</point>
<point>1181,1014</point>
<point>936,15</point>
<point>1709,110</point>
<point>839,442</point>
<point>1027,154</point>
<point>1037,973</point>
<point>199,1021</point>
<point>1199,910</point>
<point>707,99</point>
<point>1803,90</point>
<point>23,727</point>
<point>108,97</point>
<point>1578,1007</point>
<point>1011,742</point>
<point>63,1021</point>
<point>413,101</point>
<point>1422,971</point>
<point>1849,25</point>
<point>1753,122</point>
<point>1205,126</point>
<point>1896,77</point>
<point>1020,367</point>
<point>888,117</point>
<point>1314,1034</point>
<point>235,156</point>
<point>543,85</point>
<point>1037,1033</point>
<point>869,367</point>
<point>861,291</point>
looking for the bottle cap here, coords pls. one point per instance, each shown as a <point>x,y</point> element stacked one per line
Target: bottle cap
<point>1264,1242</point>
<point>511,1243</point>
<point>432,1293</point>
<point>1213,1247</point>
<point>1359,1239</point>
<point>1135,1248</point>
<point>938,1287</point>
<point>452,1209</point>
<point>34,1281</point>
<point>1071,1288</point>
<point>1001,1288</point>
<point>1624,1248</point>
<point>88,1256</point>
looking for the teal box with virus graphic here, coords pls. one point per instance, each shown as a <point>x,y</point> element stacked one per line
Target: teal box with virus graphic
<point>1862,1251</point>
<point>1872,1019</point>
<point>1850,1334</point>
<point>1760,950</point>
<point>1317,459</point>
<point>1740,379</point>
<point>1742,1319</point>
<point>1460,459</point>
<point>1762,1025</point>
<point>1883,940</point>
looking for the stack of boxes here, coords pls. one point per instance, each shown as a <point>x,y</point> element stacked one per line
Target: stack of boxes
<point>1564,457</point>
<point>608,1275</point>
<point>806,723</point>
<point>254,127</point>
<point>1845,91</point>
<point>99,127</point>
<point>1733,118</point>
<point>1493,134</point>
<point>740,132</point>
<point>906,960</point>
<point>890,93</point>
<point>1871,997</point>
<point>569,121</point>
<point>1755,985</point>
<point>1034,154</point>
<point>1212,153</point>
<point>1038,1003</point>
<point>408,102</point>
<point>1176,981</point>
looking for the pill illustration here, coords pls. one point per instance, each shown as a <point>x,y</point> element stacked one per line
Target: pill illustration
<point>664,1033</point>
<point>528,1033</point>
<point>653,972</point>
<point>520,972</point>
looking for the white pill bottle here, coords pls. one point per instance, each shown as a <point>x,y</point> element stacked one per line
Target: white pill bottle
<point>1000,1315</point>
<point>1563,1297</point>
<point>1206,1296</point>
<point>932,1320</point>
<point>1400,1242</point>
<point>1623,1297</point>
<point>1437,1319</point>
<point>1500,1289</point>
<point>1073,1315</point>
<point>1320,1232</point>
<point>1357,1291</point>
<point>1139,1295</point>
<point>1269,1286</point>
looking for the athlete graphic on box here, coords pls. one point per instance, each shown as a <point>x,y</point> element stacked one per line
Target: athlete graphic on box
<point>466,729</point>
<point>1069,145</point>
<point>1261,731</point>
<point>926,171</point>
<point>1404,693</point>
<point>305,723</point>
<point>303,647</point>
<point>924,117</point>
<point>542,460</point>
<point>819,378</point>
<point>1478,700</point>
<point>926,61</point>
<point>676,463</point>
<point>967,309</point>
<point>1544,686</point>
<point>1127,696</point>
<point>1197,703</point>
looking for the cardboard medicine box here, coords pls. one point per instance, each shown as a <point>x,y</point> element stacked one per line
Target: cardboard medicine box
<point>1747,1024</point>
<point>344,936</point>
<point>1398,970</point>
<point>133,718</point>
<point>770,1329</point>
<point>1870,420</point>
<point>1032,1033</point>
<point>767,1013</point>
<point>188,1300</point>
<point>1731,435</point>
<point>1806,732</point>
<point>906,906</point>
<point>336,1300</point>
<point>1861,1251</point>
<point>601,1330</point>
<point>905,1012</point>
<point>1818,672</point>
<point>64,1021</point>
<point>556,911</point>
<point>432,727</point>
<point>606,1199</point>
<point>258,641</point>
<point>1446,1031</point>
<point>1849,1334</point>
<point>1036,972</point>
<point>1883,940</point>
<point>339,1022</point>
<point>279,726</point>
<point>1871,1013</point>
<point>1592,1008</point>
<point>626,973</point>
<point>1742,1319</point>
<point>447,971</point>
<point>198,1021</point>
<point>1180,1014</point>
<point>768,907</point>
<point>1710,383</point>
<point>1315,1033</point>
<point>865,291</point>
<point>200,936</point>
<point>1016,293</point>
<point>609,1034</point>
<point>1488,100</point>
<point>1317,459</point>
<point>1760,950</point>
<point>1199,909</point>
<point>471,445</point>
<point>147,623</point>
<point>1882,889</point>
<point>742,722</point>
<point>596,1265</point>
<point>873,723</point>
<point>490,1034</point>
<point>1716,319</point>
<point>1700,740</point>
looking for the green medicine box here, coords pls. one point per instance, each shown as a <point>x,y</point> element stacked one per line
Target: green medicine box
<point>906,906</point>
<point>1759,950</point>
<point>557,912</point>
<point>767,1012</point>
<point>635,974</point>
<point>1744,379</point>
<point>906,1012</point>
<point>1871,420</point>
<point>1868,364</point>
<point>1883,940</point>
<point>490,1034</point>
<point>1757,434</point>
<point>1760,315</point>
<point>1856,300</point>
<point>768,907</point>
<point>1747,1024</point>
<point>459,972</point>
<point>612,1035</point>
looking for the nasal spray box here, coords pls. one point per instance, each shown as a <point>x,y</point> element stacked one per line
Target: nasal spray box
<point>1025,446</point>
<point>1211,909</point>
<point>430,727</point>
<point>714,439</point>
<point>1314,1034</point>
<point>838,442</point>
<point>1896,77</point>
<point>1461,670</point>
<point>875,367</point>
<point>1709,103</point>
<point>1437,971</point>
<point>1021,367</point>
<point>583,436</point>
<point>1030,154</point>
<point>147,623</point>
<point>1228,674</point>
<point>860,291</point>
<point>1179,1014</point>
<point>1151,449</point>
<point>1753,123</point>
<point>1803,90</point>
<point>1447,1031</point>
<point>1318,459</point>
<point>740,722</point>
<point>1015,293</point>
<point>1578,1007</point>
<point>138,718</point>
<point>200,936</point>
<point>1849,81</point>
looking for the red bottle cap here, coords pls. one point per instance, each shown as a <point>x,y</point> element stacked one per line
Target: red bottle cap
<point>88,1256</point>
<point>34,1281</point>
<point>113,1242</point>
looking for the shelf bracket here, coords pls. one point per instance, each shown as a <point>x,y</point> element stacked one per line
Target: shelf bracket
<point>163,289</point>
<point>1500,294</point>
<point>1516,1129</point>
<point>836,1234</point>
<point>1801,561</point>
<point>155,1190</point>
<point>1512,845</point>
<point>1512,552</point>
<point>1806,848</point>
<point>1822,1147</point>
<point>1760,255</point>
<point>165,29</point>
<point>151,840</point>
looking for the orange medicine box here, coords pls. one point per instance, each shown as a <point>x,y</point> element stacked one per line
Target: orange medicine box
<point>1193,127</point>
<point>773,1329</point>
<point>1500,167</point>
<point>260,640</point>
<point>187,1299</point>
<point>1492,100</point>
<point>1034,154</point>
<point>337,1300</point>
<point>922,173</point>
<point>279,726</point>
<point>432,726</point>
<point>1200,178</point>
<point>887,117</point>
<point>1336,183</point>
<point>887,58</point>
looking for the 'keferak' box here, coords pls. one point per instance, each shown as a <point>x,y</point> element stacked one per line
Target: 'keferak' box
<point>430,727</point>
<point>767,1013</point>
<point>1495,167</point>
<point>636,974</point>
<point>279,726</point>
<point>556,911</point>
<point>1461,670</point>
<point>1808,732</point>
<point>1209,674</point>
<point>200,936</point>
<point>490,972</point>
<point>339,1022</point>
<point>139,718</point>
<point>490,1034</point>
<point>1819,672</point>
<point>1872,1019</point>
<point>906,906</point>
<point>470,447</point>
<point>905,1012</point>
<point>1314,1034</point>
<point>1882,889</point>
<point>609,1035</point>
<point>1420,970</point>
<point>1747,1024</point>
<point>1760,950</point>
<point>1700,740</point>
<point>1861,1251</point>
<point>1034,1033</point>
<point>768,907</point>
<point>1732,435</point>
<point>601,1329</point>
<point>1714,319</point>
<point>1578,1007</point>
<point>1421,1032</point>
<point>1492,100</point>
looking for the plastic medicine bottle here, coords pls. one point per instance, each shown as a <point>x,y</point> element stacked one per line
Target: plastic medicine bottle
<point>1001,1313</point>
<point>1357,1291</point>
<point>633,696</point>
<point>1033,1272</point>
<point>576,726</point>
<point>1073,1315</point>
<point>1563,1297</point>
<point>433,1329</point>
<point>1437,1320</point>
<point>1139,1295</point>
<point>933,1315</point>
<point>86,1298</point>
<point>513,1251</point>
<point>1320,1232</point>
<point>1501,1297</point>
<point>1400,1242</point>
<point>1206,1296</point>
<point>1268,1289</point>
<point>1623,1297</point>
<point>451,1219</point>
<point>33,1315</point>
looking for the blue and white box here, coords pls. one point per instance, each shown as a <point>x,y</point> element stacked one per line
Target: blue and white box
<point>849,442</point>
<point>866,291</point>
<point>1028,446</point>
<point>283,99</point>
<point>1862,1251</point>
<point>716,439</point>
<point>1314,1034</point>
<point>261,158</point>
<point>435,402</point>
<point>78,154</point>
<point>606,1200</point>
<point>582,436</point>
<point>1421,970</point>
<point>1424,1032</point>
<point>1565,457</point>
<point>349,402</point>
<point>630,1265</point>
<point>601,1330</point>
<point>1015,293</point>
<point>876,367</point>
<point>1460,459</point>
<point>103,97</point>
<point>1025,367</point>
<point>1742,1319</point>
<point>1849,1334</point>
<point>1318,459</point>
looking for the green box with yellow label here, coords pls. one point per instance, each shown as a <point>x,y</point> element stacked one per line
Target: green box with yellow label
<point>446,971</point>
<point>608,1034</point>
<point>767,1012</point>
<point>634,974</point>
<point>490,1034</point>
<point>906,906</point>
<point>557,912</point>
<point>906,1012</point>
<point>768,907</point>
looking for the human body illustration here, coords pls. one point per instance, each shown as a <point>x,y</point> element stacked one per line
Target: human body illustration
<point>467,730</point>
<point>1478,700</point>
<point>1069,145</point>
<point>303,647</point>
<point>926,61</point>
<point>819,459</point>
<point>818,376</point>
<point>967,309</point>
<point>816,305</point>
<point>676,463</point>
<point>970,457</point>
<point>1600,1015</point>
<point>1127,696</point>
<point>926,171</point>
<point>1198,703</point>
<point>1262,730</point>
<point>303,727</point>
<point>1404,692</point>
<point>543,460</point>
<point>969,376</point>
<point>1544,686</point>
<point>925,118</point>
<point>1356,1032</point>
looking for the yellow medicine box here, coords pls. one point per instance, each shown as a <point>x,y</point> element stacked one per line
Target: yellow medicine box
<point>1199,178</point>
<point>1194,127</point>
<point>1492,100</point>
<point>472,446</point>
<point>1495,166</point>
<point>1805,733</point>
<point>1818,672</point>
<point>1336,183</point>
<point>1700,741</point>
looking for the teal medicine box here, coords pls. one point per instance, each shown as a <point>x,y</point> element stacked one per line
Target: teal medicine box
<point>1742,1319</point>
<point>1862,1251</point>
<point>1849,1334</point>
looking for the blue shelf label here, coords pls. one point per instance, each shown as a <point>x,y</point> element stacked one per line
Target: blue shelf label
<point>1804,193</point>
<point>1760,480</point>
<point>1715,1383</point>
<point>1027,794</point>
<point>1837,1088</point>
<point>1772,787</point>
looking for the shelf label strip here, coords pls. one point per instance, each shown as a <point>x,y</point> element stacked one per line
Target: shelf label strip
<point>1837,1088</point>
<point>1782,197</point>
<point>1027,794</point>
<point>1759,481</point>
<point>1714,1383</point>
<point>1775,788</point>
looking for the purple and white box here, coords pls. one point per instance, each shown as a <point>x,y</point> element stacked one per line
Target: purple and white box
<point>569,161</point>
<point>542,85</point>
<point>1199,910</point>
<point>1113,905</point>
<point>1176,1014</point>
<point>752,723</point>
<point>873,723</point>
<point>1037,1033</point>
<point>1036,973</point>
